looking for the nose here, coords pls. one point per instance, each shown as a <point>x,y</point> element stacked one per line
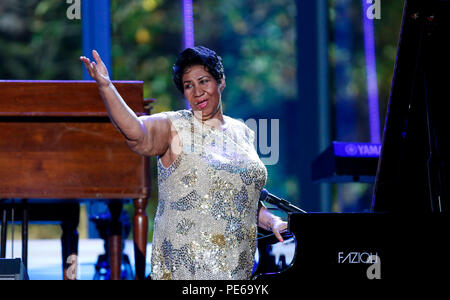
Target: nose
<point>198,91</point>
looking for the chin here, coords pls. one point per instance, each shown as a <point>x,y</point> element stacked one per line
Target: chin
<point>207,112</point>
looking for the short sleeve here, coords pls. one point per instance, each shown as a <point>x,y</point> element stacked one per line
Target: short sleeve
<point>176,119</point>
<point>181,123</point>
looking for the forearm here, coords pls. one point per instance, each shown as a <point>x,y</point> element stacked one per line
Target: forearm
<point>121,115</point>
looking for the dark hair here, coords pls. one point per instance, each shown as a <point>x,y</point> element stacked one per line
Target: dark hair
<point>197,56</point>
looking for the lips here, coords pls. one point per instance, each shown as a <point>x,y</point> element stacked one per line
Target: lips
<point>202,103</point>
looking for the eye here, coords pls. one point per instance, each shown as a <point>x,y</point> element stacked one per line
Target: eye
<point>204,81</point>
<point>187,86</point>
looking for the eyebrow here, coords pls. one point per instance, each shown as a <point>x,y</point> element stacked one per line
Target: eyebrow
<point>200,78</point>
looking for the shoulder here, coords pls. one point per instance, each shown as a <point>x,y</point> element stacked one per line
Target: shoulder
<point>179,117</point>
<point>180,121</point>
<point>178,114</point>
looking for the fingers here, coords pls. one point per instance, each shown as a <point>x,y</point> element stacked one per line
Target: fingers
<point>278,235</point>
<point>95,73</point>
<point>87,63</point>
<point>279,228</point>
<point>284,227</point>
<point>97,57</point>
<point>90,66</point>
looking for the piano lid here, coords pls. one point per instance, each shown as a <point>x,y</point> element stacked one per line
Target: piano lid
<point>413,169</point>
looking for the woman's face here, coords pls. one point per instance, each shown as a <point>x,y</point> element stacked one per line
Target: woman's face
<point>202,91</point>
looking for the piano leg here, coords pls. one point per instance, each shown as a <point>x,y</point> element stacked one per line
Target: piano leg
<point>25,233</point>
<point>69,240</point>
<point>115,239</point>
<point>4,212</point>
<point>140,231</point>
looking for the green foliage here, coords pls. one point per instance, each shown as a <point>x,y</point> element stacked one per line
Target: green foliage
<point>386,38</point>
<point>37,41</point>
<point>145,42</point>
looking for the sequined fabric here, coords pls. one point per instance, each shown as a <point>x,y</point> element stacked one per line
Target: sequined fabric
<point>205,224</point>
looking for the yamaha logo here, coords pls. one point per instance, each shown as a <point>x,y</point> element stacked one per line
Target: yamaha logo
<point>363,150</point>
<point>351,149</point>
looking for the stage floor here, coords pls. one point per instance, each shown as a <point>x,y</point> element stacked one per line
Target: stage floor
<point>45,262</point>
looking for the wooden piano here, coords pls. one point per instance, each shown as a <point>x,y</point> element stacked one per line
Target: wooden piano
<point>57,143</point>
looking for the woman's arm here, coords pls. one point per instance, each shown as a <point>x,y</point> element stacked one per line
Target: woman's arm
<point>270,222</point>
<point>147,135</point>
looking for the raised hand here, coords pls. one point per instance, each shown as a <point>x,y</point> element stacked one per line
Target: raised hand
<point>97,70</point>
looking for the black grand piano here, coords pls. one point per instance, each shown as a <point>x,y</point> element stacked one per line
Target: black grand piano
<point>406,234</point>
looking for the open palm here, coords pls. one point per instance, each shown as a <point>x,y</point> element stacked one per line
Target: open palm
<point>97,70</point>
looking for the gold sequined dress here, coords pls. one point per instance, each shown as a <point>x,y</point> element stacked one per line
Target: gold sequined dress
<point>206,220</point>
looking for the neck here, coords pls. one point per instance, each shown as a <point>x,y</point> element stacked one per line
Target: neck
<point>215,119</point>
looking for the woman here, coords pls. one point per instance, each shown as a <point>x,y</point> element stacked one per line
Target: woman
<point>209,174</point>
